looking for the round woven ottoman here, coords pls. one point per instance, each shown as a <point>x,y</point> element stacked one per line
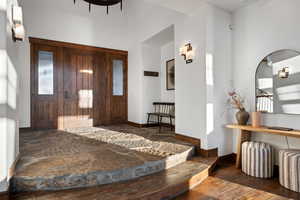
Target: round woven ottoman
<point>257,159</point>
<point>289,169</point>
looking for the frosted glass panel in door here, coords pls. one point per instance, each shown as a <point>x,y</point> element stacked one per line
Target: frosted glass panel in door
<point>118,83</point>
<point>45,73</point>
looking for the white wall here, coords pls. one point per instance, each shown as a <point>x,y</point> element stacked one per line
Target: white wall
<point>142,28</point>
<point>154,88</point>
<point>260,29</point>
<point>218,79</point>
<point>9,64</point>
<point>191,89</point>
<point>167,53</point>
<point>190,78</point>
<point>151,85</point>
<point>61,20</point>
<point>3,97</point>
<point>190,97</point>
<point>201,86</point>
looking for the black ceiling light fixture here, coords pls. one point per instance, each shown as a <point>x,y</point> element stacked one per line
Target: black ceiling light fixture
<point>106,3</point>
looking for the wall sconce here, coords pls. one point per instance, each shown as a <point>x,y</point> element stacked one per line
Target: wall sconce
<point>284,73</point>
<point>188,53</point>
<point>18,31</point>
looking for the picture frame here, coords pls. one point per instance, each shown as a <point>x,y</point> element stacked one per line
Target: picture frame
<point>170,75</point>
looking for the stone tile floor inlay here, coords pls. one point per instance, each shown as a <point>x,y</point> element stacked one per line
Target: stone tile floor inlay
<point>54,160</point>
<point>146,140</point>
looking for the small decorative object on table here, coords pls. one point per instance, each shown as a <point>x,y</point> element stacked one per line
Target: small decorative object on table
<point>280,128</point>
<point>237,102</point>
<point>256,119</point>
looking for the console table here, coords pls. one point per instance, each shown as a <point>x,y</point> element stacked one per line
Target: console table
<point>245,135</point>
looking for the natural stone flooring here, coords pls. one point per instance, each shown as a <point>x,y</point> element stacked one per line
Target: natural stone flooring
<point>166,185</point>
<point>53,160</point>
<point>162,185</point>
<point>147,140</point>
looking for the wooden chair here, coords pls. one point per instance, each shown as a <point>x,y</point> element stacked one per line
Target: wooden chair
<point>162,110</point>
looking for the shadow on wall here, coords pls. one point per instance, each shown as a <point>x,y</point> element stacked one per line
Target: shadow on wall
<point>287,94</point>
<point>9,136</point>
<point>216,110</point>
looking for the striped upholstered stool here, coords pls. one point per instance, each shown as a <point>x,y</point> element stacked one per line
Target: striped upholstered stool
<point>289,169</point>
<point>257,159</point>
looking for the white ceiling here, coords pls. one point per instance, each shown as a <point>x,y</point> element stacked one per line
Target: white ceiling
<point>183,6</point>
<point>231,5</point>
<point>188,6</point>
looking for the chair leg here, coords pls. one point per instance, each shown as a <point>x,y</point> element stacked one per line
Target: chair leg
<point>160,119</point>
<point>148,121</point>
<point>171,124</point>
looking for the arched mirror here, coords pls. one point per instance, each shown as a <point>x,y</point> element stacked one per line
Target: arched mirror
<point>278,83</point>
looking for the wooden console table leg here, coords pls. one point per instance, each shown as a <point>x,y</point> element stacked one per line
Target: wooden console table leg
<point>244,136</point>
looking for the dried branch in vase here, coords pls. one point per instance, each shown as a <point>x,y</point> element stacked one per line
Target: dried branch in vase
<point>236,101</point>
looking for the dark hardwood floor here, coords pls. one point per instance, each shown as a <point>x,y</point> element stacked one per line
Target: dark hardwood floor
<point>4,196</point>
<point>228,181</point>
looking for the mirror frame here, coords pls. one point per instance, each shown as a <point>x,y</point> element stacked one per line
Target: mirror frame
<point>256,82</point>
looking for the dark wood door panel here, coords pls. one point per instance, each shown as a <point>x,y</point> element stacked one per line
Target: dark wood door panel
<point>118,99</point>
<point>100,90</point>
<point>78,88</point>
<point>46,114</point>
<point>118,111</point>
<point>44,109</point>
<point>82,87</point>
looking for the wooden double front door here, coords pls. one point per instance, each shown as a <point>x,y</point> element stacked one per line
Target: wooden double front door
<point>76,86</point>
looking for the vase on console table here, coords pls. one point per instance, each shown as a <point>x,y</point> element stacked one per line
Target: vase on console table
<point>242,116</point>
<point>237,102</point>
